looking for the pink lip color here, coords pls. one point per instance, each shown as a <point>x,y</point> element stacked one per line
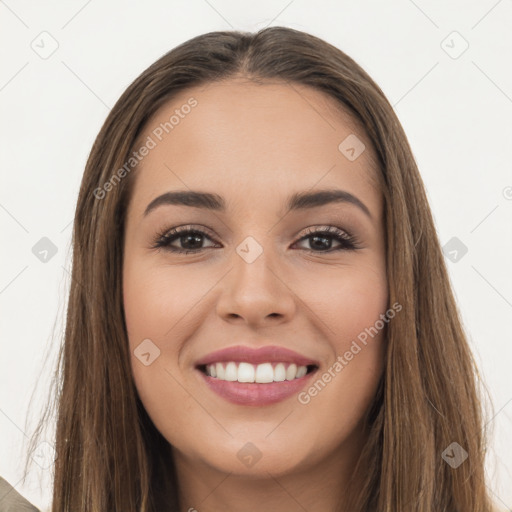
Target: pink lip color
<point>254,394</point>
<point>268,354</point>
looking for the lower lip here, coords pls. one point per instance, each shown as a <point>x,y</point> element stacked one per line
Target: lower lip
<point>249,393</point>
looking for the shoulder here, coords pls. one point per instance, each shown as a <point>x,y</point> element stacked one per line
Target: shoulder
<point>12,501</point>
<point>499,508</point>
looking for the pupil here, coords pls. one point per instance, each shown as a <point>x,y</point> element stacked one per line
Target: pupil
<point>197,239</point>
<point>321,246</point>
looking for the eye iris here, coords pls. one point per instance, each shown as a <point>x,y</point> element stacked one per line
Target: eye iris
<point>194,237</point>
<point>315,244</point>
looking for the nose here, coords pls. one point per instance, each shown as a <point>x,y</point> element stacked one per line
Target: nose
<point>256,293</point>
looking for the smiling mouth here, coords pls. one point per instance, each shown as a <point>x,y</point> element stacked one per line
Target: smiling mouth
<point>264,373</point>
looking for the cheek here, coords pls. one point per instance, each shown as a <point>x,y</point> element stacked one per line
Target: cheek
<point>352,323</point>
<point>157,301</point>
<point>346,301</point>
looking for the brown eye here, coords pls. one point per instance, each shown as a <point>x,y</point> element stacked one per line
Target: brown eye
<point>190,240</point>
<point>320,240</point>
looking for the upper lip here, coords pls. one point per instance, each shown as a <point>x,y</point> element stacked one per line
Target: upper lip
<point>267,354</point>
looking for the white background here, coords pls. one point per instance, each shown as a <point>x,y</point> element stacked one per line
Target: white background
<point>457,113</point>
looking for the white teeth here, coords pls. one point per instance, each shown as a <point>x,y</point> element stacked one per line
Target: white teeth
<point>301,371</point>
<point>264,373</point>
<point>219,370</point>
<point>291,372</point>
<point>231,372</point>
<point>279,372</point>
<point>245,372</point>
<point>261,373</point>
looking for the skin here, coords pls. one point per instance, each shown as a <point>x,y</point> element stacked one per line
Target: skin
<point>255,144</point>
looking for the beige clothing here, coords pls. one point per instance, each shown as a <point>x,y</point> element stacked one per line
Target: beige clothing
<point>12,501</point>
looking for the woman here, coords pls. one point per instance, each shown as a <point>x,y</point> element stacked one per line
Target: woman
<point>260,317</point>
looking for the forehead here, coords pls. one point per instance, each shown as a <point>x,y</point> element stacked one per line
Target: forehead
<point>242,139</point>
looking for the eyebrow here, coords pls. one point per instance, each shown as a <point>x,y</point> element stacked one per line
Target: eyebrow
<point>297,201</point>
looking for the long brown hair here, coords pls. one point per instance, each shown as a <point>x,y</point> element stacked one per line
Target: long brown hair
<point>111,457</point>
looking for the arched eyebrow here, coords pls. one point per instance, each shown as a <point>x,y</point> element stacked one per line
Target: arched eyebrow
<point>297,201</point>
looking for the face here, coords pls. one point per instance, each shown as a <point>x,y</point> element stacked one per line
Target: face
<point>257,278</point>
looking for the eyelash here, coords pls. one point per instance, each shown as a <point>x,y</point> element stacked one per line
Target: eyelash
<point>164,239</point>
